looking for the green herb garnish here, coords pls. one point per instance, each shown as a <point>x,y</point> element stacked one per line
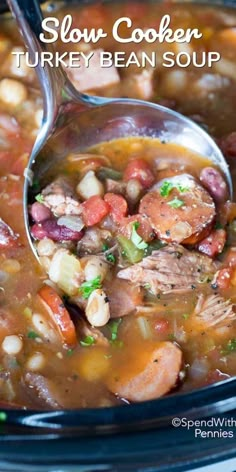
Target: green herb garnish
<point>69,352</point>
<point>136,239</point>
<point>182,189</point>
<point>32,335</point>
<point>176,203</point>
<point>39,198</point>
<point>86,288</point>
<point>230,347</point>
<point>218,225</point>
<point>105,247</point>
<point>113,328</point>
<point>111,258</point>
<point>185,316</point>
<point>87,341</point>
<point>166,188</point>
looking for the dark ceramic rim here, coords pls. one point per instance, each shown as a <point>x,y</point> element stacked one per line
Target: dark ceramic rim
<point>211,400</point>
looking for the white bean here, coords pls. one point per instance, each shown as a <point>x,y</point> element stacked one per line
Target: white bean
<point>46,247</point>
<point>97,310</point>
<point>133,190</point>
<point>12,344</point>
<point>89,186</point>
<point>36,362</point>
<point>95,267</point>
<point>12,92</point>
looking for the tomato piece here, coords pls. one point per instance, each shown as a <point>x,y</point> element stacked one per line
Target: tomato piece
<point>94,210</point>
<point>58,314</point>
<point>214,243</point>
<point>140,170</point>
<point>118,206</point>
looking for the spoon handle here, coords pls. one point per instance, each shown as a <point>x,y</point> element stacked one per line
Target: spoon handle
<point>56,87</point>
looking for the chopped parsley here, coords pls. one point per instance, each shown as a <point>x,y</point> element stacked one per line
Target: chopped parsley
<point>176,203</point>
<point>111,258</point>
<point>185,316</point>
<point>230,347</point>
<point>86,288</point>
<point>218,225</point>
<point>87,341</point>
<point>147,286</point>
<point>136,239</point>
<point>105,247</point>
<point>69,352</point>
<point>166,188</point>
<point>113,328</point>
<point>39,198</point>
<point>32,335</point>
<point>182,189</point>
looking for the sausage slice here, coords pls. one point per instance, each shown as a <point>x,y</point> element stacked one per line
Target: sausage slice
<point>184,213</point>
<point>157,375</point>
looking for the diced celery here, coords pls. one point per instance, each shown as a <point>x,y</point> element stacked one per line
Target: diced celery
<point>144,327</point>
<point>132,253</point>
<point>65,270</point>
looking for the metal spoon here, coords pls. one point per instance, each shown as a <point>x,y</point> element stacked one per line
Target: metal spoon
<point>73,122</point>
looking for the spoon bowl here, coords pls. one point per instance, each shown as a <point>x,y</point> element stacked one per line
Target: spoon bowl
<point>73,122</point>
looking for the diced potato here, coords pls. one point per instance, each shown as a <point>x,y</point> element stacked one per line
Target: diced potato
<point>65,270</point>
<point>94,364</point>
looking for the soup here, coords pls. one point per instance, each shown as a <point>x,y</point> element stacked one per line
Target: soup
<point>134,297</point>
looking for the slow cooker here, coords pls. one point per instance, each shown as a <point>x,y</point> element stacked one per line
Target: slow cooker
<point>157,435</point>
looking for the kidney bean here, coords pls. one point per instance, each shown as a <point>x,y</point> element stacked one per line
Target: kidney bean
<point>40,212</point>
<point>214,183</point>
<point>50,229</point>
